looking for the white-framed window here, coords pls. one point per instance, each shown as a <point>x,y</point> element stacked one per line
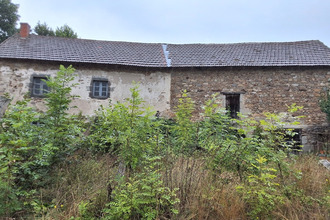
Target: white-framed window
<point>39,86</point>
<point>100,89</point>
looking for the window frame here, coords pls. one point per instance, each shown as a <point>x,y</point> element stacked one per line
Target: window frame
<point>42,83</point>
<point>101,87</point>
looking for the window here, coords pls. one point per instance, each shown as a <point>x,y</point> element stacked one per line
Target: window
<point>39,86</point>
<point>233,104</point>
<point>100,88</point>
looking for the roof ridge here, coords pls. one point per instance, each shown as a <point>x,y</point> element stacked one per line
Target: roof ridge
<point>249,43</point>
<point>90,40</point>
<point>132,42</point>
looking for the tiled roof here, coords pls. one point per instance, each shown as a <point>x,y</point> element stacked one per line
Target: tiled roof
<point>83,51</point>
<point>301,53</point>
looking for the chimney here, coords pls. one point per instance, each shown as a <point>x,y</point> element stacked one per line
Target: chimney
<point>25,30</point>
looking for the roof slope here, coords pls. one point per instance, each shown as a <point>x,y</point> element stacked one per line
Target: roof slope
<point>300,53</point>
<point>83,51</point>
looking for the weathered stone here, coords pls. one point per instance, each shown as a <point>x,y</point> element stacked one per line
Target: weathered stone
<point>298,86</point>
<point>3,105</point>
<point>325,163</point>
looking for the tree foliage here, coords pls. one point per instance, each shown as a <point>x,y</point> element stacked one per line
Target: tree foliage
<point>126,129</point>
<point>63,31</point>
<point>142,196</point>
<point>43,30</point>
<point>31,143</point>
<point>8,19</point>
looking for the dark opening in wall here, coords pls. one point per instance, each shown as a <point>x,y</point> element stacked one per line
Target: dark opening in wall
<point>295,140</point>
<point>233,104</point>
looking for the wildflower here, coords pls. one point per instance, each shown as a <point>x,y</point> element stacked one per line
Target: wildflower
<point>55,206</point>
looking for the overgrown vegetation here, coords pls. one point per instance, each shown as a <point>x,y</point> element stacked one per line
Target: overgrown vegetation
<point>126,163</point>
<point>325,103</point>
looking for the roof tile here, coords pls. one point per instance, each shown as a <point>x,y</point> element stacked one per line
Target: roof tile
<point>300,53</point>
<point>83,51</point>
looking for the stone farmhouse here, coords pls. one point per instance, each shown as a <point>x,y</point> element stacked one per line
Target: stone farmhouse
<point>250,77</point>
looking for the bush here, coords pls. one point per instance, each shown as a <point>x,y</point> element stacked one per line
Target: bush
<point>126,129</point>
<point>325,103</point>
<point>261,193</point>
<point>142,196</point>
<point>31,143</point>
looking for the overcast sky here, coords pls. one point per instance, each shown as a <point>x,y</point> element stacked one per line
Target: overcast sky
<point>185,21</point>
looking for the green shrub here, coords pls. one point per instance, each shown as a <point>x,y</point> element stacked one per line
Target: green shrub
<point>325,103</point>
<point>128,130</point>
<point>32,142</point>
<point>22,150</point>
<point>266,137</point>
<point>64,130</point>
<point>184,130</point>
<point>142,196</point>
<point>261,192</point>
<point>9,201</point>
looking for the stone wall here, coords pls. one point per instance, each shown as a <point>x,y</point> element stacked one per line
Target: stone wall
<point>3,105</point>
<point>319,138</point>
<point>154,87</point>
<point>261,89</point>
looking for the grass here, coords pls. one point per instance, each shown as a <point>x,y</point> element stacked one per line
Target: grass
<point>81,190</point>
<point>310,199</point>
<point>83,181</point>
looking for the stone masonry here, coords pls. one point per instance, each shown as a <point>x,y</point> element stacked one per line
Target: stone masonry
<point>261,90</point>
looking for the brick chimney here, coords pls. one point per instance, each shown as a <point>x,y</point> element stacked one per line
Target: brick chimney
<point>25,30</point>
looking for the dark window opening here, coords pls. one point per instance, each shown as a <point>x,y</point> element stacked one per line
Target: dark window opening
<point>100,89</point>
<point>295,140</point>
<point>39,86</point>
<point>233,104</point>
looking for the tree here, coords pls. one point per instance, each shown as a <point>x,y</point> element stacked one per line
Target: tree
<point>65,31</point>
<point>8,19</point>
<point>43,29</point>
